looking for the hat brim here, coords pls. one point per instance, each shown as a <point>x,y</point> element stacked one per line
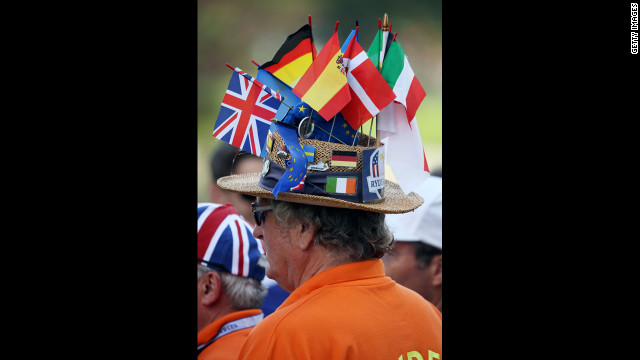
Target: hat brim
<point>395,200</point>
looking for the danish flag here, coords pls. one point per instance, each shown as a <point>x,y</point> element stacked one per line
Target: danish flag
<point>246,111</point>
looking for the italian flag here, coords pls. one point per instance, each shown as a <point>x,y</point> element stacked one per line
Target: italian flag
<point>399,75</point>
<point>397,123</point>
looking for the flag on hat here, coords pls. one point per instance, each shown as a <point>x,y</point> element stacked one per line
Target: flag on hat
<point>297,166</point>
<point>369,91</point>
<point>324,85</point>
<point>247,107</point>
<point>339,129</point>
<point>397,122</point>
<point>379,47</point>
<point>399,75</point>
<point>404,151</point>
<point>288,98</point>
<point>293,58</point>
<point>226,242</point>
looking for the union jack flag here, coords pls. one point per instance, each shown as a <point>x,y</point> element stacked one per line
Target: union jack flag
<point>247,107</point>
<point>299,187</point>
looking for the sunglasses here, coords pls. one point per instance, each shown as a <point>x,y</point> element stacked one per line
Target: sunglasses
<point>258,212</point>
<point>215,266</point>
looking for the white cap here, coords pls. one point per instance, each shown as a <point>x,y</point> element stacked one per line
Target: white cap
<point>424,223</point>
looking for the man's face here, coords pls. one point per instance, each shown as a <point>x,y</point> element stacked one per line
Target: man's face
<point>276,240</point>
<point>401,265</point>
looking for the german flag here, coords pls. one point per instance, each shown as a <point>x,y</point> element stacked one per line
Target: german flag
<point>344,158</point>
<point>293,58</point>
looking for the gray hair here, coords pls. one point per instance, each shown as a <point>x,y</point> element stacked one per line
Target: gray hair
<point>356,234</point>
<point>244,293</point>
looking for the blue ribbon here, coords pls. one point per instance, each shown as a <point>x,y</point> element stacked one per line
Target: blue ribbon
<point>297,168</point>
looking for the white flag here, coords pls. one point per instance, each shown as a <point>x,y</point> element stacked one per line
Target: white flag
<point>404,150</point>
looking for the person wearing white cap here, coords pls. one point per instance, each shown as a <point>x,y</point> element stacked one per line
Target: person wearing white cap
<point>416,259</point>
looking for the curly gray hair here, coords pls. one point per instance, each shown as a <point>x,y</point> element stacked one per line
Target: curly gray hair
<point>244,293</point>
<point>357,234</point>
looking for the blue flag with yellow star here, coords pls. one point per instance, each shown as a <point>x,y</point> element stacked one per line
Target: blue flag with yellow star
<point>297,168</point>
<point>337,127</point>
<point>299,112</point>
<point>341,133</point>
<point>283,89</point>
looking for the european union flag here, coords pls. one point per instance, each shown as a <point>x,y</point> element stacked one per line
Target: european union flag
<point>342,132</point>
<point>297,168</point>
<point>299,112</point>
<point>281,88</point>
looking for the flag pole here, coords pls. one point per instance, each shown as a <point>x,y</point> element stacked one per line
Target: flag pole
<point>332,123</point>
<point>385,27</point>
<point>284,97</point>
<point>248,77</point>
<point>331,136</point>
<point>313,56</point>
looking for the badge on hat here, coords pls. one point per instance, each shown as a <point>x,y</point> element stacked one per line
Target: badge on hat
<point>343,158</point>
<point>373,174</point>
<point>265,167</point>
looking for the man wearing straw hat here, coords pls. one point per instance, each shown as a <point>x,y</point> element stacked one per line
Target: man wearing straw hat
<point>323,241</point>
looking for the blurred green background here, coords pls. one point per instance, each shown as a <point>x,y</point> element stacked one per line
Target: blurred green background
<point>238,31</point>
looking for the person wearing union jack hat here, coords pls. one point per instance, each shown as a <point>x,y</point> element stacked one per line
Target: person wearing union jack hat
<point>230,270</point>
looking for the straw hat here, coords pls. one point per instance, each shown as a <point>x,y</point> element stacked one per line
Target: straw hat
<point>350,167</point>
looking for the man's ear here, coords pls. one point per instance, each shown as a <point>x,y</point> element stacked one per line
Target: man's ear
<point>307,234</point>
<point>211,288</point>
<point>436,265</point>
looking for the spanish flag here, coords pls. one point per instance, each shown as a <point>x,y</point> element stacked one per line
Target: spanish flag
<point>324,85</point>
<point>293,58</point>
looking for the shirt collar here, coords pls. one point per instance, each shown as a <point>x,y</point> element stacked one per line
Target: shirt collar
<point>360,270</point>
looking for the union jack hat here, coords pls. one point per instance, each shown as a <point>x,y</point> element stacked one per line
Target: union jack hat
<point>226,242</point>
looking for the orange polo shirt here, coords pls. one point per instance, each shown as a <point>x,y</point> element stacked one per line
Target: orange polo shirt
<point>351,311</point>
<point>228,345</point>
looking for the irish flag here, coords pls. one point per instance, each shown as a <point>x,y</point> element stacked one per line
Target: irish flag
<point>341,185</point>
